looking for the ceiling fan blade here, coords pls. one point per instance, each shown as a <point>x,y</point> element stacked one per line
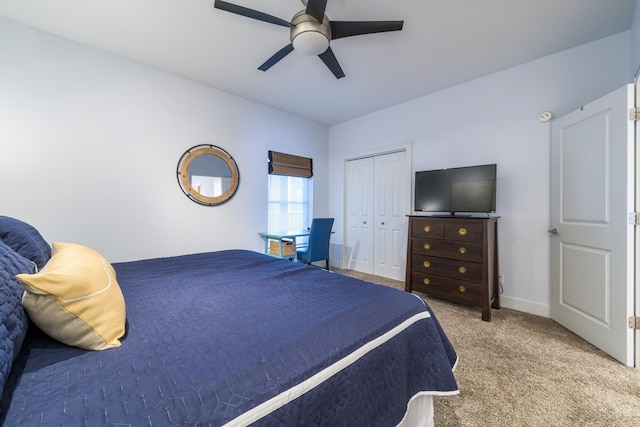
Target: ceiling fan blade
<point>250,13</point>
<point>341,29</point>
<point>276,57</point>
<point>331,62</point>
<point>316,9</point>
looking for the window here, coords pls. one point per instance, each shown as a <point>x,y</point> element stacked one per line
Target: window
<point>289,203</point>
<point>290,192</point>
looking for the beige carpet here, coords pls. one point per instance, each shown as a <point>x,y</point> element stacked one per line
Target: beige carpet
<point>525,370</point>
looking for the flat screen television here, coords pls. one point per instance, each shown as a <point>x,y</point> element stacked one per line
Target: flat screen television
<point>470,189</point>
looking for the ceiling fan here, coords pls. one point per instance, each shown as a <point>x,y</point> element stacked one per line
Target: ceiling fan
<point>311,31</point>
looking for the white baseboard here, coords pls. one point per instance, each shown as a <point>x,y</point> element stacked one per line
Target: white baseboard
<point>526,306</point>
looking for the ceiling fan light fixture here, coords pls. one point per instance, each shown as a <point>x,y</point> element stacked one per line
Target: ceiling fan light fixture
<point>310,43</point>
<point>309,36</point>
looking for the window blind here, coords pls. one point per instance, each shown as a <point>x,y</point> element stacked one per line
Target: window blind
<point>290,165</point>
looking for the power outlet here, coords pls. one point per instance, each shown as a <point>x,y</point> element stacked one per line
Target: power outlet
<point>501,278</point>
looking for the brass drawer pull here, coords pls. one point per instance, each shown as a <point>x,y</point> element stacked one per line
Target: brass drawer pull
<point>426,264</point>
<point>427,246</point>
<point>462,231</point>
<point>426,281</point>
<point>462,289</point>
<point>427,228</point>
<point>462,270</point>
<point>462,250</point>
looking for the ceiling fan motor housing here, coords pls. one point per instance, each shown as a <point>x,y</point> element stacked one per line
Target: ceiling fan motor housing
<point>309,36</point>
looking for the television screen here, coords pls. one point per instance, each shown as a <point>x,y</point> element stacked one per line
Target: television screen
<point>466,189</point>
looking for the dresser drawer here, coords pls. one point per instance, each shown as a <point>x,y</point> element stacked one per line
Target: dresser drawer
<point>426,227</point>
<point>456,269</point>
<point>463,231</point>
<point>466,251</point>
<point>445,287</point>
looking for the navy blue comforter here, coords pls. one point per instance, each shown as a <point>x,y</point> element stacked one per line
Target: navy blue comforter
<point>213,336</point>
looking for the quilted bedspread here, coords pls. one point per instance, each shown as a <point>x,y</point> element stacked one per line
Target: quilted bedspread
<point>239,337</point>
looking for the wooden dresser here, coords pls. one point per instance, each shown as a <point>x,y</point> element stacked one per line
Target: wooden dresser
<point>454,258</point>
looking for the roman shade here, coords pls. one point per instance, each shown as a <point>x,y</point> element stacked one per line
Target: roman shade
<point>290,165</point>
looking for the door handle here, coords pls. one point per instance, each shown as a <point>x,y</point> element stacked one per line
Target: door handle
<point>553,231</point>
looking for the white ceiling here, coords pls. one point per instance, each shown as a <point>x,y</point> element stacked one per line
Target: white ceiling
<point>443,43</point>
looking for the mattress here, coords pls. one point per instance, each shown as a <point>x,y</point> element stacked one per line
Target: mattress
<point>237,337</point>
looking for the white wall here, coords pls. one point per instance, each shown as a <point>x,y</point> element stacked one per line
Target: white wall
<point>635,42</point>
<point>89,144</point>
<point>494,120</point>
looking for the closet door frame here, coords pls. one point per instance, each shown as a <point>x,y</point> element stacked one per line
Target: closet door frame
<point>378,151</point>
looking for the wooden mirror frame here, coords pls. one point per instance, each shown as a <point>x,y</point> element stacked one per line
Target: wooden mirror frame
<point>183,174</point>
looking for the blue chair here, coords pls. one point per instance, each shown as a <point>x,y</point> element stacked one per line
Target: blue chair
<point>318,247</point>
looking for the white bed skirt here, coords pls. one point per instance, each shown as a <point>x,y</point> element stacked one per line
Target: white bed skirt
<point>419,412</point>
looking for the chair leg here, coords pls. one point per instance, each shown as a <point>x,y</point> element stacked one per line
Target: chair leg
<point>327,262</point>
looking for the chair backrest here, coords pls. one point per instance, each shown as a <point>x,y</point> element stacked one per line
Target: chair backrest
<point>319,236</point>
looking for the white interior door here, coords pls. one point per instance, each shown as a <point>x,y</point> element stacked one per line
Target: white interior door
<point>390,221</point>
<point>592,188</point>
<point>359,220</point>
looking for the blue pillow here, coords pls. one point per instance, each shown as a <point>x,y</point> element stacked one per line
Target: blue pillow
<point>14,319</point>
<point>25,240</point>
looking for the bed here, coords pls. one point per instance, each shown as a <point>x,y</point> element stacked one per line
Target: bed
<point>231,337</point>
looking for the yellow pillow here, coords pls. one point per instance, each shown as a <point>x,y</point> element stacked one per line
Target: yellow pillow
<point>76,299</point>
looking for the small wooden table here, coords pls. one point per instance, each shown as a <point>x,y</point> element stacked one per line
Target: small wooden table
<point>279,237</point>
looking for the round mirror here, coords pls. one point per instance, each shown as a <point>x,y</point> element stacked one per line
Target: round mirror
<point>208,175</point>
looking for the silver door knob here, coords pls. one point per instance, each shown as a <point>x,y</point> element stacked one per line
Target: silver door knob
<point>553,231</point>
